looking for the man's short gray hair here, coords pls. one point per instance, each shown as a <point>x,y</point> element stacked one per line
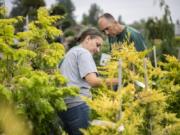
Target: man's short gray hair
<point>107,16</point>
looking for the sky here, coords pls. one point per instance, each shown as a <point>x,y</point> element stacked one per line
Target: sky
<point>130,10</point>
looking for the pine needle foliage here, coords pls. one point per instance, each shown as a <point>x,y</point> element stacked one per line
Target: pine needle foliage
<point>132,109</point>
<point>29,77</point>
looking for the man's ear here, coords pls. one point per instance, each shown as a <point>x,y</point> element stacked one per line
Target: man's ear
<point>114,21</point>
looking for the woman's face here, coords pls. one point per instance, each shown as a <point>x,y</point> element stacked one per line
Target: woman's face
<point>94,44</point>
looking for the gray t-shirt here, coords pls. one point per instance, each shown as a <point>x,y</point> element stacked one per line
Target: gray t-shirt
<point>78,62</point>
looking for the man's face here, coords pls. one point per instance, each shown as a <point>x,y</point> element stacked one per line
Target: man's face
<point>107,26</point>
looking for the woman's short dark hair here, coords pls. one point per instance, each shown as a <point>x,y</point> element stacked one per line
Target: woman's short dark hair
<point>92,32</point>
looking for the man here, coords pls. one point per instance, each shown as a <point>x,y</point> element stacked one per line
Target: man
<point>118,33</point>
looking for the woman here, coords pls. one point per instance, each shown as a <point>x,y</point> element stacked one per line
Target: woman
<point>79,68</point>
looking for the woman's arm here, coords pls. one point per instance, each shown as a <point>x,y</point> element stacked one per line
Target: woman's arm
<point>95,81</point>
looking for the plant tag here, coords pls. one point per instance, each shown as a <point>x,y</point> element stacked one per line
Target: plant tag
<point>105,58</point>
<point>140,84</point>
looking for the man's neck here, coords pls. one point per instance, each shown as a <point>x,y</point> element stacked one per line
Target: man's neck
<point>120,28</point>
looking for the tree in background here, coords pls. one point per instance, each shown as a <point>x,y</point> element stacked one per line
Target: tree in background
<point>58,9</point>
<point>139,25</point>
<point>2,9</point>
<point>91,18</point>
<point>26,7</point>
<point>65,8</point>
<point>163,30</point>
<point>120,19</point>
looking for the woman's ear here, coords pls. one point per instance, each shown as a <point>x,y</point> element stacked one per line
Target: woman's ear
<point>87,38</point>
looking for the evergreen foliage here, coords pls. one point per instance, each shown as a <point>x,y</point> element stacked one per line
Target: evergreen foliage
<point>28,75</point>
<point>133,110</point>
<point>92,17</point>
